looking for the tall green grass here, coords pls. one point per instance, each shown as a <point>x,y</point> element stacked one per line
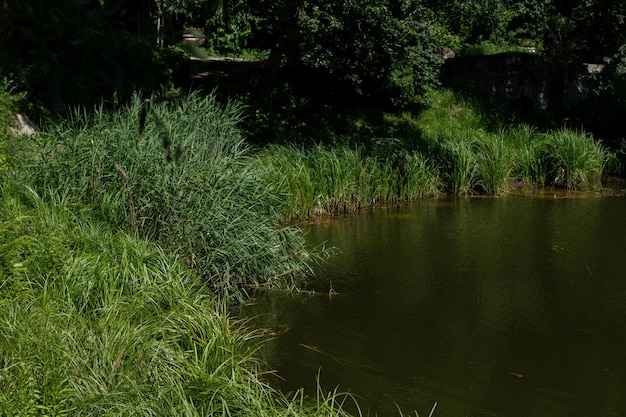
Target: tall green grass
<point>96,322</point>
<point>495,164</point>
<point>526,149</point>
<point>456,146</point>
<point>420,177</point>
<point>562,158</point>
<point>478,154</point>
<point>574,159</point>
<point>178,173</point>
<point>460,164</point>
<point>344,179</point>
<point>457,132</point>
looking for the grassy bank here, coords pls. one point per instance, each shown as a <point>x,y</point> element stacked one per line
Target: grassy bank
<point>118,229</point>
<point>108,239</point>
<point>340,180</point>
<point>480,153</point>
<point>97,322</point>
<point>178,173</point>
<point>455,147</point>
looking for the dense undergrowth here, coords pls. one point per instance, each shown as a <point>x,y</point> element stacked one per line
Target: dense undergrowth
<point>177,173</point>
<point>100,312</point>
<point>97,322</point>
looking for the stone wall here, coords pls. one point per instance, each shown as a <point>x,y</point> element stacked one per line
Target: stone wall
<point>585,95</point>
<point>516,79</point>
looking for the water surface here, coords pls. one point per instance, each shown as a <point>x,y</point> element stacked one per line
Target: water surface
<point>488,307</point>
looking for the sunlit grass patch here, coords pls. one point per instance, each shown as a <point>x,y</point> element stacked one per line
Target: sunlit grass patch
<point>459,163</point>
<point>494,164</point>
<point>574,159</point>
<point>478,153</point>
<point>337,180</point>
<point>95,321</point>
<point>419,177</point>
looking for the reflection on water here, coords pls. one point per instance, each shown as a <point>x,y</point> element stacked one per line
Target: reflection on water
<point>488,307</point>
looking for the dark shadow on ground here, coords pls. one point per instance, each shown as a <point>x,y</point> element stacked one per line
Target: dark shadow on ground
<point>304,108</point>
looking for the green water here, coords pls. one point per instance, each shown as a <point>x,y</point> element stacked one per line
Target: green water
<point>488,307</point>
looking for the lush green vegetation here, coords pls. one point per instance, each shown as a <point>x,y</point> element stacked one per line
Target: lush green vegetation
<point>96,318</point>
<point>118,227</point>
<point>342,179</point>
<point>456,147</point>
<point>97,322</point>
<point>69,51</point>
<point>479,154</point>
<point>183,179</point>
<point>124,226</point>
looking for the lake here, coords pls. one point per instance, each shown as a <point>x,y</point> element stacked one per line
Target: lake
<point>507,307</point>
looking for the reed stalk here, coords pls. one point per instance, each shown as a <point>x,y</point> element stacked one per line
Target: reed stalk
<point>494,164</point>
<point>343,180</point>
<point>460,164</point>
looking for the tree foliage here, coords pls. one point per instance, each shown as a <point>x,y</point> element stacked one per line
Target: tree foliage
<point>379,48</point>
<point>498,21</point>
<point>374,48</point>
<point>68,52</point>
<point>79,50</point>
<point>594,31</point>
<point>187,8</point>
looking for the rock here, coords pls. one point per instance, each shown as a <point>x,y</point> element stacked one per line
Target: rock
<point>591,68</point>
<point>445,53</point>
<point>25,126</point>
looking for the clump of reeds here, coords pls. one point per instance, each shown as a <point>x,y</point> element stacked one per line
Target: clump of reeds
<point>562,158</point>
<point>494,164</point>
<point>454,146</point>
<point>287,168</point>
<point>472,159</point>
<point>181,174</point>
<point>477,157</point>
<point>419,177</point>
<point>525,145</point>
<point>574,159</point>
<point>460,164</point>
<point>343,179</point>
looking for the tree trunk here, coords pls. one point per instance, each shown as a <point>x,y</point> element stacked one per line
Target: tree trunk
<point>274,61</point>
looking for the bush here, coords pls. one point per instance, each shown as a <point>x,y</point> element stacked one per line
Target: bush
<point>390,60</point>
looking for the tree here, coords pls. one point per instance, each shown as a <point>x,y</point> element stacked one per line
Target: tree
<point>592,31</point>
<point>497,21</point>
<point>68,52</point>
<point>374,49</point>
